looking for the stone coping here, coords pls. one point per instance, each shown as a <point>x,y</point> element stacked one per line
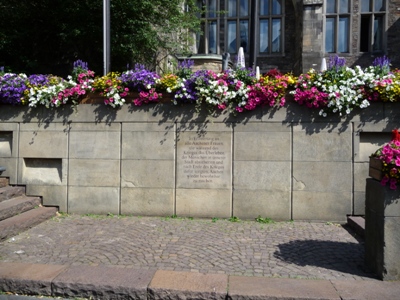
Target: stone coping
<point>123,283</point>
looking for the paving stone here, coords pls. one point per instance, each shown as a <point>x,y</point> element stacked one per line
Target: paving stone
<point>187,285</point>
<point>28,278</point>
<point>102,282</point>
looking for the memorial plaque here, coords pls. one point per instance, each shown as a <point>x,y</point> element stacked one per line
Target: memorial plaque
<point>204,161</point>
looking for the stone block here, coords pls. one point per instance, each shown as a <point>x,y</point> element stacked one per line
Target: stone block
<point>42,171</point>
<point>367,289</point>
<point>148,173</point>
<point>154,144</point>
<point>324,177</point>
<point>204,161</point>
<point>262,175</point>
<point>242,287</point>
<point>381,200</point>
<point>262,145</point>
<point>36,142</point>
<point>321,145</point>
<point>321,206</point>
<point>95,144</point>
<point>203,203</point>
<point>147,202</point>
<point>249,204</point>
<point>11,165</point>
<point>187,285</point>
<point>94,172</point>
<point>101,282</point>
<point>359,203</point>
<point>360,171</point>
<point>23,278</point>
<point>93,200</point>
<point>51,195</point>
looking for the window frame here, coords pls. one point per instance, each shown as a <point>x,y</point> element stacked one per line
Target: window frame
<point>237,20</point>
<point>271,17</point>
<point>372,14</point>
<point>337,15</point>
<point>205,26</point>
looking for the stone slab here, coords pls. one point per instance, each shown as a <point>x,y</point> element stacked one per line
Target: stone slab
<point>149,173</point>
<point>100,282</point>
<point>262,288</point>
<point>249,204</point>
<point>148,145</point>
<point>367,290</point>
<point>204,161</point>
<point>322,176</point>
<point>321,146</point>
<point>94,144</point>
<point>187,285</point>
<point>94,172</point>
<point>319,206</point>
<point>35,144</point>
<point>246,142</point>
<point>203,203</point>
<point>147,202</point>
<point>262,175</point>
<point>27,278</point>
<point>93,200</point>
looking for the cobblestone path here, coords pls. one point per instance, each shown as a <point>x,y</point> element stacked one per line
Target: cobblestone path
<point>281,249</point>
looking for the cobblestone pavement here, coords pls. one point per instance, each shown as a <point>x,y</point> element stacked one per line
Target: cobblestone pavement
<point>282,249</point>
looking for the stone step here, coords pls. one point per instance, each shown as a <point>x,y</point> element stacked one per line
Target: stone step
<point>22,222</point>
<point>357,224</point>
<point>15,206</point>
<point>9,192</point>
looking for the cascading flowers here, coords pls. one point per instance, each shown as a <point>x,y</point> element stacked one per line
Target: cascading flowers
<point>389,154</point>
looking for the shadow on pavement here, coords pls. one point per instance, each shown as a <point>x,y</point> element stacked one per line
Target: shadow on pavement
<point>339,256</point>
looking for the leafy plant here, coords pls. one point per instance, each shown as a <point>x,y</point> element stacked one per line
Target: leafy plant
<point>260,219</point>
<point>234,219</point>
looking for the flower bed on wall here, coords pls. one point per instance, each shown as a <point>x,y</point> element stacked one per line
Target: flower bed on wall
<point>337,90</point>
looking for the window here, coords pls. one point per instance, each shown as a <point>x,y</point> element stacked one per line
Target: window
<point>238,13</point>
<point>270,26</point>
<point>372,25</point>
<point>337,26</point>
<point>208,42</point>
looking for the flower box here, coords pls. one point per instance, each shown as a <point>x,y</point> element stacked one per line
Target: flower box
<point>96,98</point>
<point>375,168</point>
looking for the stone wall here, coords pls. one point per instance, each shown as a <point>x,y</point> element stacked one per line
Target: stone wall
<point>161,160</point>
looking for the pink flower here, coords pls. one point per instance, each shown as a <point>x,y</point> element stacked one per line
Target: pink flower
<point>384,180</point>
<point>393,184</point>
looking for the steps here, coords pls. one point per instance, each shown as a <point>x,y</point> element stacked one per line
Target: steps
<point>357,224</point>
<point>19,212</point>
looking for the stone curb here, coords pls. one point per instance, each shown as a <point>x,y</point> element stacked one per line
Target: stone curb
<point>101,282</point>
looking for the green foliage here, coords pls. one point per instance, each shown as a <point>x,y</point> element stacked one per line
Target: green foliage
<point>260,219</point>
<point>234,219</point>
<point>214,219</point>
<point>47,36</point>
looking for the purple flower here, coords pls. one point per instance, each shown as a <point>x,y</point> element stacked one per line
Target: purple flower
<point>383,62</point>
<point>139,78</point>
<point>12,88</point>
<point>79,64</point>
<point>335,62</point>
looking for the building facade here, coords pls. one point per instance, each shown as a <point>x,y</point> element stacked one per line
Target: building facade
<point>294,35</point>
